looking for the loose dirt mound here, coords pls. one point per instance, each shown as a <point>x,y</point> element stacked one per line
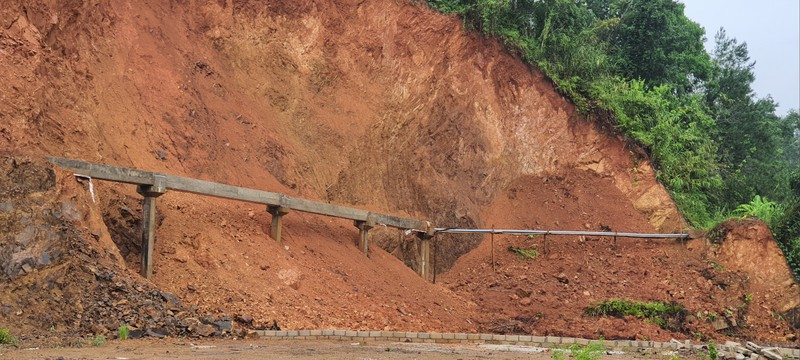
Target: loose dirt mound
<point>422,119</point>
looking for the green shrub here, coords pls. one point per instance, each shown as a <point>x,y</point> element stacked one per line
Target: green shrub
<point>768,211</point>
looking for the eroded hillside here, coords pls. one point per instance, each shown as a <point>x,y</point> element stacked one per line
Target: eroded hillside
<point>380,105</point>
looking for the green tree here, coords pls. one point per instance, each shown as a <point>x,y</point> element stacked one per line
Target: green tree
<point>655,42</point>
<point>753,141</point>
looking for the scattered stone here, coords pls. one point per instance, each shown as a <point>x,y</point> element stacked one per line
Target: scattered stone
<point>522,293</point>
<point>27,268</point>
<point>291,278</point>
<point>742,350</point>
<point>223,325</point>
<point>719,324</point>
<point>171,300</point>
<point>135,334</point>
<point>752,346</point>
<point>156,333</point>
<point>525,301</point>
<point>769,354</point>
<point>244,319</point>
<point>6,206</point>
<point>562,278</point>
<point>99,329</point>
<point>202,330</point>
<point>740,356</point>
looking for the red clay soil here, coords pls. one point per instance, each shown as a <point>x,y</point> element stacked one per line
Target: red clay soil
<point>547,295</point>
<point>380,105</point>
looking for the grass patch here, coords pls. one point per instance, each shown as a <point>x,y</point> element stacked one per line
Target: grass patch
<point>526,254</point>
<point>99,340</point>
<point>668,316</point>
<point>5,337</point>
<point>122,332</point>
<point>594,351</point>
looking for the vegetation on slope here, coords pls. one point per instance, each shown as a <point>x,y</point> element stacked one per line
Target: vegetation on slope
<point>641,64</point>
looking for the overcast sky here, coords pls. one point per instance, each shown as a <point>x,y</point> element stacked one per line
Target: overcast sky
<point>771,29</point>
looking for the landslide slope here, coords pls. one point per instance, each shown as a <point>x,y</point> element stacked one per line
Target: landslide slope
<point>381,105</point>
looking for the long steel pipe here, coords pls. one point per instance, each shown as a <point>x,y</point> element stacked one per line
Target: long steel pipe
<point>557,232</point>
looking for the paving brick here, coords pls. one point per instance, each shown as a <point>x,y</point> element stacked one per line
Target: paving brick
<point>267,332</point>
<point>461,336</point>
<point>304,332</point>
<point>387,334</point>
<point>351,333</point>
<point>583,342</point>
<point>281,333</point>
<point>292,333</point>
<point>399,334</point>
<point>411,335</point>
<point>525,338</point>
<point>486,336</point>
<point>512,337</point>
<point>538,339</point>
<point>340,332</point>
<point>424,336</point>
<point>473,336</point>
<point>375,334</point>
<point>497,337</point>
<point>327,333</point>
<point>363,333</point>
<point>622,344</point>
<point>552,340</point>
<point>449,336</point>
<point>436,336</point>
<point>568,340</point>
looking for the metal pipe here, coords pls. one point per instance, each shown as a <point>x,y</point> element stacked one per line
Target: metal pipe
<point>557,232</point>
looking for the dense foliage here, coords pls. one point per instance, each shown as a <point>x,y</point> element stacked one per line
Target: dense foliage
<point>642,63</point>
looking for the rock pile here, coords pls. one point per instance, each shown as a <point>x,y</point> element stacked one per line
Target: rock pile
<point>62,276</point>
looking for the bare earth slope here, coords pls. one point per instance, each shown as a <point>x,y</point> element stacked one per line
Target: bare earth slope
<point>381,105</point>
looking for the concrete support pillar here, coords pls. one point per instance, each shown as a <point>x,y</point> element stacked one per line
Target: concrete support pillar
<point>150,193</point>
<point>363,235</point>
<point>425,257</point>
<point>277,213</point>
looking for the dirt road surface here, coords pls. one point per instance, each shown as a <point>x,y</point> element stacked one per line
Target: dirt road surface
<point>263,349</point>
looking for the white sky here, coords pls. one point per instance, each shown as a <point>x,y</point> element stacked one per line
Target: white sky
<point>771,29</point>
